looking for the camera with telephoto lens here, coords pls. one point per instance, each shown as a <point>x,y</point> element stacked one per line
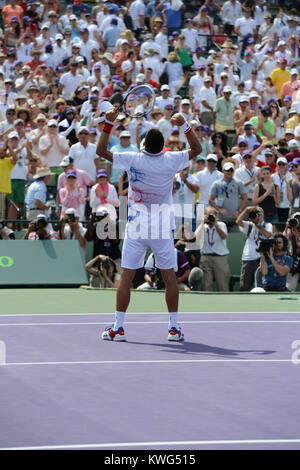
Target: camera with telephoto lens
<point>265,244</point>
<point>176,186</point>
<point>2,225</point>
<point>293,222</point>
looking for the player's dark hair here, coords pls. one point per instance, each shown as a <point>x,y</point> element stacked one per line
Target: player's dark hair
<point>154,141</point>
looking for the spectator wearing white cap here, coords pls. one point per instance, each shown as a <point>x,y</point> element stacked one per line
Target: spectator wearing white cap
<point>82,69</point>
<point>207,177</point>
<point>53,147</point>
<point>84,153</point>
<point>228,196</point>
<point>69,81</point>
<point>291,87</point>
<point>282,178</point>
<point>242,113</point>
<point>208,100</point>
<point>248,173</point>
<point>293,152</point>
<point>164,98</point>
<point>164,124</point>
<point>60,51</point>
<point>223,111</point>
<point>195,84</point>
<point>27,79</point>
<point>132,65</point>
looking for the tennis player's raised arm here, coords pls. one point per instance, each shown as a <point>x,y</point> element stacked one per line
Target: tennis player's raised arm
<point>102,145</point>
<point>195,146</point>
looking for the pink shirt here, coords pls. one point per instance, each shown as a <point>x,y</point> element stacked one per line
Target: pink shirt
<point>71,199</point>
<point>83,178</point>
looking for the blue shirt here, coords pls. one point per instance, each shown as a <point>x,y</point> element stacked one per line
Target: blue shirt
<point>273,278</point>
<point>37,190</point>
<point>111,35</point>
<point>114,175</point>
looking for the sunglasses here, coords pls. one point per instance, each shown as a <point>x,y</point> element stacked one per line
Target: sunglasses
<point>52,127</point>
<point>281,164</point>
<point>211,161</point>
<point>247,157</point>
<point>84,133</point>
<point>11,113</point>
<point>231,170</point>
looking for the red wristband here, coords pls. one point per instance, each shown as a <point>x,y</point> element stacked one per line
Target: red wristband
<point>107,127</point>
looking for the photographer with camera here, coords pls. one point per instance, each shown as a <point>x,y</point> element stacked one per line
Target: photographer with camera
<point>37,230</point>
<point>103,231</point>
<point>103,272</point>
<point>71,229</point>
<point>274,264</point>
<point>5,232</point>
<point>214,254</point>
<point>153,277</point>
<point>292,233</point>
<point>255,229</point>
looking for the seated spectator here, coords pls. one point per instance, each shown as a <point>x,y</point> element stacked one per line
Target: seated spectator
<point>255,229</point>
<point>103,272</point>
<point>275,265</point>
<point>5,232</point>
<point>153,277</point>
<point>39,230</point>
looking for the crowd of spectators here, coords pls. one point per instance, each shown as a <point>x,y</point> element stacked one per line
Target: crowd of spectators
<point>231,68</point>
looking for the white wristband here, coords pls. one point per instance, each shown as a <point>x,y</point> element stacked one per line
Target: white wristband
<point>185,127</point>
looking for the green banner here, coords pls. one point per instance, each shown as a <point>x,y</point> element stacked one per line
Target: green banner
<point>41,263</point>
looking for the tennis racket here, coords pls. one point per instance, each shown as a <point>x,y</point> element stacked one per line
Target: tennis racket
<point>138,102</point>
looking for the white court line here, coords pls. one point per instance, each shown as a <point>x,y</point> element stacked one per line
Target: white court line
<point>160,361</point>
<point>142,313</point>
<point>159,444</point>
<point>149,322</point>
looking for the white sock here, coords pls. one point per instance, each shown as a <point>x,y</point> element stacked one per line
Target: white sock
<point>173,320</point>
<point>119,320</point>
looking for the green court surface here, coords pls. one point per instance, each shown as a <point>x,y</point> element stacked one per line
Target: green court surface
<point>85,300</point>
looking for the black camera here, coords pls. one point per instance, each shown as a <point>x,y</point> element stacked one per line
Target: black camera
<point>265,112</point>
<point>293,222</point>
<point>2,225</point>
<point>265,244</point>
<point>100,216</point>
<point>253,214</point>
<point>40,224</point>
<point>211,219</point>
<point>156,278</point>
<point>71,218</point>
<point>176,186</point>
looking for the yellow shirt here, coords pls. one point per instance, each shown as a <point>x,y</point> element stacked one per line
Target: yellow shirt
<point>5,168</point>
<point>292,123</point>
<point>279,77</point>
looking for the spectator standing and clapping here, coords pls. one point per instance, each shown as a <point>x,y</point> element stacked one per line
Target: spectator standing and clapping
<point>53,147</point>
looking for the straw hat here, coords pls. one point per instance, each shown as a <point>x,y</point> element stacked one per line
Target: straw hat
<point>41,172</point>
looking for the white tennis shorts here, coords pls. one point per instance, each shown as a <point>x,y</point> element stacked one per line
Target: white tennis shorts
<point>134,251</point>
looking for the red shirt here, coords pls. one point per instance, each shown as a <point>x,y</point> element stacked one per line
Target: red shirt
<point>33,65</point>
<point>153,83</point>
<point>107,91</point>
<point>273,167</point>
<point>291,155</point>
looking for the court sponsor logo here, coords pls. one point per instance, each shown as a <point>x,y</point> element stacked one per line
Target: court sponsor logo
<point>296,352</point>
<point>6,262</point>
<point>2,352</point>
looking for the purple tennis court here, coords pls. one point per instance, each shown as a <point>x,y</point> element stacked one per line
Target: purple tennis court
<point>232,384</point>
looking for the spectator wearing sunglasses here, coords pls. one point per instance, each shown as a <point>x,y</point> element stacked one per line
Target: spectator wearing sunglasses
<point>248,173</point>
<point>228,196</point>
<point>282,178</point>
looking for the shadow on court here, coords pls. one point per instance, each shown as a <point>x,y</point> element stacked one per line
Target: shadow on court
<point>188,347</point>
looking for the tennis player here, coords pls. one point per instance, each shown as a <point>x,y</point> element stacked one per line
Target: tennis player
<point>150,215</point>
